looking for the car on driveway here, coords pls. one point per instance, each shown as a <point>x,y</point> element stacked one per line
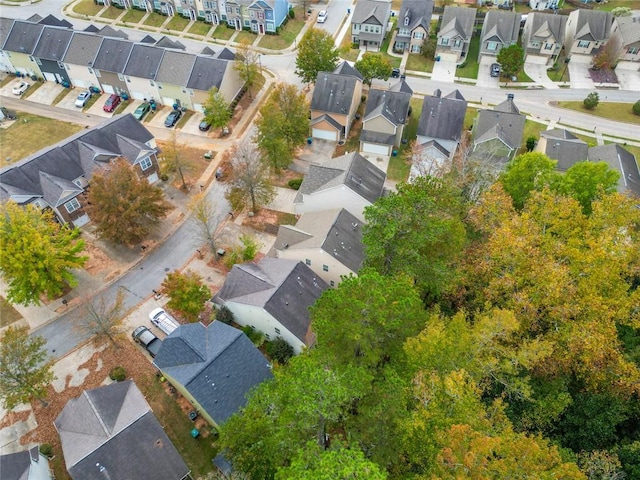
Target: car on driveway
<point>172,118</point>
<point>322,16</point>
<point>83,98</point>
<point>204,126</point>
<point>495,70</point>
<point>20,88</point>
<point>147,339</point>
<point>112,102</point>
<point>142,110</point>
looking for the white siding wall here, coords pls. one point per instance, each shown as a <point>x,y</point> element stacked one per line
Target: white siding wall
<point>81,73</point>
<point>337,197</point>
<point>318,258</point>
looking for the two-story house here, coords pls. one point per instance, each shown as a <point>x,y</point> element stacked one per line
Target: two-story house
<point>543,4</point>
<point>500,29</point>
<point>369,23</point>
<point>329,242</point>
<point>109,64</point>
<point>563,146</point>
<point>50,51</point>
<point>19,47</point>
<point>210,72</point>
<point>543,36</point>
<point>335,101</point>
<point>258,16</point>
<point>414,25</point>
<point>79,58</point>
<point>141,70</point>
<point>25,465</point>
<point>456,30</point>
<point>626,35</point>
<point>586,31</point>
<point>6,24</point>
<point>173,74</point>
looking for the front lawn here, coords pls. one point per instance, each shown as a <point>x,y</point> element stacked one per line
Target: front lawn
<point>246,37</point>
<point>346,52</point>
<point>400,165</point>
<point>287,34</point>
<point>531,129</point>
<point>470,67</point>
<point>420,63</point>
<point>177,23</point>
<point>620,112</point>
<point>8,314</point>
<point>222,32</point>
<point>87,7</point>
<point>200,28</point>
<point>133,16</point>
<point>155,19</point>
<point>112,13</point>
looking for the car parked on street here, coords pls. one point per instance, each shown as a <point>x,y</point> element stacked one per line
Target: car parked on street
<point>112,102</point>
<point>20,88</point>
<point>142,110</point>
<point>172,118</point>
<point>495,69</point>
<point>147,339</point>
<point>322,16</point>
<point>83,98</point>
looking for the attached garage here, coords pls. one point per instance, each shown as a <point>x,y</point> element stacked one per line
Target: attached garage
<point>78,83</point>
<point>324,134</point>
<point>376,149</point>
<point>377,143</point>
<point>153,178</point>
<point>81,221</point>
<point>108,89</point>
<point>139,95</point>
<point>325,128</point>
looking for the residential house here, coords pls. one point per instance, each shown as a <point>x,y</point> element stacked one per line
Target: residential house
<point>456,30</point>
<point>210,72</point>
<point>53,21</point>
<point>258,16</point>
<point>383,124</point>
<point>110,432</point>
<point>503,4</point>
<point>141,70</point>
<point>109,64</point>
<point>543,36</point>
<point>500,29</point>
<point>622,161</point>
<point>26,465</point>
<point>49,53</point>
<point>414,25</point>
<point>6,24</point>
<point>369,23</point>
<point>19,46</point>
<point>188,8</point>
<point>626,35</point>
<point>213,366</point>
<point>329,242</point>
<point>58,176</point>
<point>439,133</point>
<point>79,58</point>
<point>273,296</point>
<point>212,12</point>
<point>563,146</point>
<point>543,4</point>
<point>173,74</point>
<point>497,133</point>
<point>335,101</point>
<point>349,181</point>
<point>586,31</point>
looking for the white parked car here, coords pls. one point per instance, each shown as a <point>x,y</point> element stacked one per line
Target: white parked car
<point>165,322</point>
<point>322,16</point>
<point>20,88</point>
<point>83,98</point>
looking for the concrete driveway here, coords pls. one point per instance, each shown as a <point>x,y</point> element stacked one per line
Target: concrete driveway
<point>46,94</point>
<point>317,153</point>
<point>192,125</point>
<point>485,80</point>
<point>96,108</point>
<point>445,69</point>
<point>579,71</point>
<point>69,101</point>
<point>628,74</point>
<point>159,117</point>
<point>535,67</point>
<point>6,91</point>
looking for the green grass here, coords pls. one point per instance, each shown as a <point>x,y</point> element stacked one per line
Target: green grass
<point>94,98</point>
<point>177,23</point>
<point>8,314</point>
<point>29,134</point>
<point>560,71</point>
<point>420,63</point>
<point>222,32</point>
<point>184,119</point>
<point>384,48</point>
<point>33,86</point>
<point>155,20</point>
<point>469,117</point>
<point>400,165</point>
<point>112,13</point>
<point>246,37</point>
<point>200,28</point>
<point>287,34</point>
<point>620,112</point>
<point>120,108</point>
<point>531,129</point>
<point>611,4</point>
<point>523,77</point>
<point>470,67</point>
<point>61,95</point>
<point>346,52</point>
<point>133,16</point>
<point>87,7</point>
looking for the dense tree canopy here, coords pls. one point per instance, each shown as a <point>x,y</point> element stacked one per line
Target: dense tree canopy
<point>511,59</point>
<point>187,293</point>
<point>373,65</point>
<point>316,53</point>
<point>217,111</point>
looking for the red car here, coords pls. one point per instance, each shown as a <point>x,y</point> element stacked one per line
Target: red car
<point>112,102</point>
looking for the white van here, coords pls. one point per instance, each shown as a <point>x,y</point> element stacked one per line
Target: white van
<point>165,322</point>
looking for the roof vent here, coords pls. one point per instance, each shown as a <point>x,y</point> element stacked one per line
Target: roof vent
<point>285,245</point>
<point>354,225</point>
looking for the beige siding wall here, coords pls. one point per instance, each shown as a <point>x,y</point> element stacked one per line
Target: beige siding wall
<point>318,259</point>
<point>380,124</point>
<point>337,197</point>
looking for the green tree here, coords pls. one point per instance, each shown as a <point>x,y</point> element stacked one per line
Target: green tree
<point>424,245</point>
<point>173,159</point>
<point>531,143</point>
<point>586,181</point>
<point>217,111</point>
<point>124,207</point>
<point>248,184</point>
<point>316,53</point>
<point>636,108</point>
<point>591,101</point>
<point>101,317</point>
<point>187,293</point>
<point>283,125</point>
<point>247,65</point>
<point>24,374</point>
<point>621,12</point>
<point>526,173</point>
<point>280,350</point>
<point>511,59</point>
<point>37,254</point>
<point>373,65</point>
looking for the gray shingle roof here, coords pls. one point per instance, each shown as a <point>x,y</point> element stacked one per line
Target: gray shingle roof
<point>108,31</point>
<point>344,68</point>
<point>16,466</point>
<point>501,26</point>
<point>55,22</point>
<point>394,106</point>
<point>113,55</point>
<point>53,43</point>
<point>503,122</point>
<point>23,37</point>
<point>207,72</point>
<point>114,427</point>
<point>333,93</point>
<point>381,138</point>
<point>373,12</point>
<point>284,288</point>
<point>225,54</point>
<point>166,42</point>
<point>83,49</point>
<point>457,20</point>
<point>443,117</point>
<point>592,25</point>
<point>621,160</point>
<point>401,86</point>
<point>544,24</point>
<point>5,27</point>
<point>91,29</point>
<point>175,68</point>
<point>564,147</point>
<point>419,13</point>
<point>336,232</point>
<point>629,28</point>
<point>217,364</point>
<point>144,61</point>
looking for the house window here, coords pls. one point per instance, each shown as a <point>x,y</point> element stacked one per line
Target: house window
<point>406,21</point>
<point>261,15</point>
<point>333,284</point>
<point>633,50</point>
<point>548,46</point>
<point>146,164</point>
<point>252,14</point>
<point>72,205</point>
<point>492,46</point>
<point>535,44</point>
<point>366,28</point>
<point>444,41</point>
<point>418,35</point>
<point>415,48</point>
<point>583,44</point>
<point>98,73</point>
<point>307,261</point>
<point>325,268</point>
<point>277,330</point>
<point>457,43</point>
<point>229,10</point>
<point>267,336</point>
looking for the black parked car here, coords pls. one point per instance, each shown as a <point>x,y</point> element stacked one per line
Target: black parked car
<point>395,73</point>
<point>204,126</point>
<point>172,118</point>
<point>495,70</point>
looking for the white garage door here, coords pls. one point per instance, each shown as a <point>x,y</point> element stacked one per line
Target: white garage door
<point>168,101</point>
<point>108,89</point>
<point>377,149</point>
<point>197,107</point>
<point>78,83</point>
<point>81,221</point>
<point>324,134</point>
<point>153,178</point>
<point>139,95</point>
<point>50,77</point>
